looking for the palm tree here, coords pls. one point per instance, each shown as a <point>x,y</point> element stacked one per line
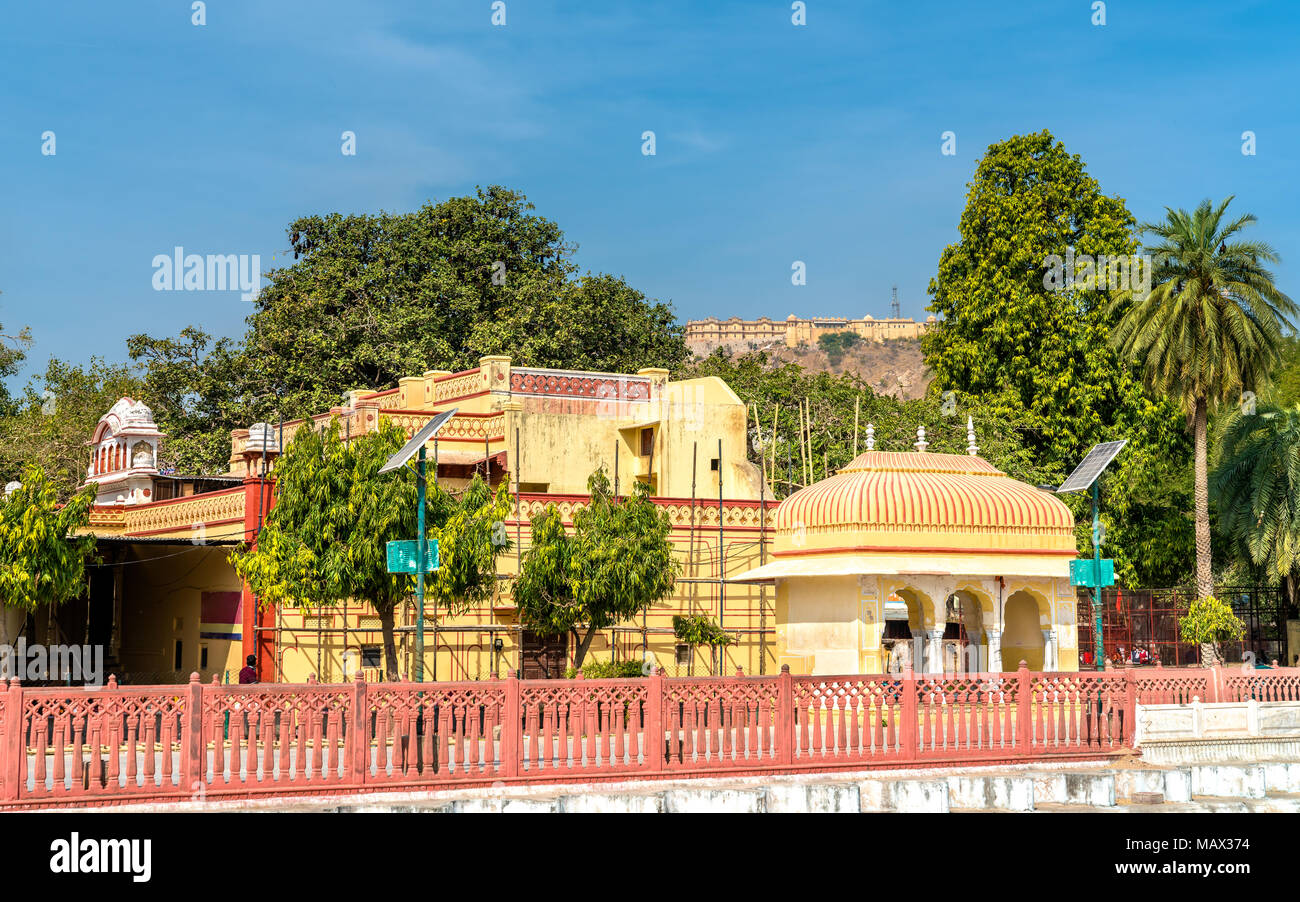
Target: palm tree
<point>1209,329</point>
<point>1257,485</point>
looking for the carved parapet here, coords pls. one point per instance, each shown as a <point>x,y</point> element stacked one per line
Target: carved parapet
<point>184,515</point>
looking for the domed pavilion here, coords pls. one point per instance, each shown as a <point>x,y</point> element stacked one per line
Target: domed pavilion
<point>940,561</point>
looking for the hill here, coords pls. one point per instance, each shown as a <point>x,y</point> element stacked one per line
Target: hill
<point>894,367</point>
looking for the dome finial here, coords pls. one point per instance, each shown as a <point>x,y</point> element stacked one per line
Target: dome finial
<point>971,448</point>
<point>871,437</point>
<point>921,444</point>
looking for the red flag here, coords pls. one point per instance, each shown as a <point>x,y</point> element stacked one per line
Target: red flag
<point>1119,600</point>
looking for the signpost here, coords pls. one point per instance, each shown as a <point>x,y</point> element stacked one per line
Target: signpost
<point>1098,572</point>
<point>425,552</point>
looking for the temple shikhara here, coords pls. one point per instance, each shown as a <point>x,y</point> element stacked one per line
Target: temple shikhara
<point>903,557</point>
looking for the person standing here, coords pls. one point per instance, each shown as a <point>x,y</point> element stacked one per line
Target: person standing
<point>249,672</point>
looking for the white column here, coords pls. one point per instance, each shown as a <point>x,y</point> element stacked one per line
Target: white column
<point>1049,650</point>
<point>995,651</point>
<point>935,652</point>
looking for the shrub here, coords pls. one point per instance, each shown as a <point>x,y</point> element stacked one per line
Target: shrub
<point>607,670</point>
<point>1208,622</point>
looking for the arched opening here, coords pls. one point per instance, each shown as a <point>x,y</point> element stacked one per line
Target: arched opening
<point>905,638</point>
<point>1022,636</point>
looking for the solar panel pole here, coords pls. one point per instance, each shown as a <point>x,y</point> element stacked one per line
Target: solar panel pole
<point>1099,654</point>
<point>419,567</point>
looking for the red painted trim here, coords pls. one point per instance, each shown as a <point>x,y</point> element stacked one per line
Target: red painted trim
<point>894,549</point>
<point>385,411</point>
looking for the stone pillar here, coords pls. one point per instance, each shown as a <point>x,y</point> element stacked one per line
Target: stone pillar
<point>1050,662</point>
<point>995,651</point>
<point>934,654</point>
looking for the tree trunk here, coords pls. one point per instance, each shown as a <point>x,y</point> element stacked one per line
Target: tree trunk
<point>1204,573</point>
<point>580,652</point>
<point>11,624</point>
<point>390,645</point>
<point>1209,654</point>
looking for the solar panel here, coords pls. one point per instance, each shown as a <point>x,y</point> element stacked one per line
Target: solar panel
<point>427,431</point>
<point>1089,469</point>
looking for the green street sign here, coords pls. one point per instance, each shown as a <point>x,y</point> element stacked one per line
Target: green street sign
<point>403,552</point>
<point>1083,572</point>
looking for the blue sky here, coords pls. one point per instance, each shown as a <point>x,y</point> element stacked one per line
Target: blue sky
<point>775,143</point>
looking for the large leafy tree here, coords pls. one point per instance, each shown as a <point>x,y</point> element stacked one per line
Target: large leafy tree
<point>326,538</point>
<point>198,392</point>
<point>13,348</point>
<point>1256,486</point>
<point>1210,329</point>
<point>1037,355</point>
<point>56,416</point>
<point>42,559</point>
<point>372,298</point>
<point>617,563</point>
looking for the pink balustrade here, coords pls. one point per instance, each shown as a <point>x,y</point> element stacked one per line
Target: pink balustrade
<point>119,744</point>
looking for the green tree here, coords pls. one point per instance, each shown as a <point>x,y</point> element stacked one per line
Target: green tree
<point>13,350</point>
<point>57,416</point>
<point>617,563</point>
<point>42,559</point>
<point>1209,329</point>
<point>326,538</point>
<point>198,393</point>
<point>1035,354</point>
<point>1207,623</point>
<point>834,344</point>
<point>1285,387</point>
<point>699,630</point>
<point>1256,487</point>
<point>372,298</point>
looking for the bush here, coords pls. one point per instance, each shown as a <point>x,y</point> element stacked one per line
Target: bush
<point>607,670</point>
<point>1210,620</point>
<point>699,630</point>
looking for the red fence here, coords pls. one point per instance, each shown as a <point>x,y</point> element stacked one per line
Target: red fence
<point>1179,686</point>
<point>61,746</point>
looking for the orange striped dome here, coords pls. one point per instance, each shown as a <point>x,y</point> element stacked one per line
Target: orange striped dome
<point>917,501</point>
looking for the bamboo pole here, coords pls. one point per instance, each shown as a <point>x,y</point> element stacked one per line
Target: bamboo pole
<point>857,402</point>
<point>803,451</point>
<point>775,415</point>
<point>807,420</point>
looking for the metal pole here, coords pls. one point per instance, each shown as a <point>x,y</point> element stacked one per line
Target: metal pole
<point>722,557</point>
<point>419,569</point>
<point>1099,652</point>
<point>435,610</point>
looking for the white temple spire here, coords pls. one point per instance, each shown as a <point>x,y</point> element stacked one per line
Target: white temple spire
<point>971,448</point>
<point>921,444</point>
<point>871,437</point>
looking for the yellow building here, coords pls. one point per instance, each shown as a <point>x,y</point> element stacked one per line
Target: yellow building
<point>166,581</point>
<point>937,560</point>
